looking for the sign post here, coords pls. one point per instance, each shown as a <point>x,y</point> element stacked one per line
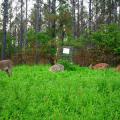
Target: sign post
<point>67,53</point>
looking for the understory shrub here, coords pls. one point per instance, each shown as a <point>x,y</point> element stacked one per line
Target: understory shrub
<point>68,65</point>
<point>107,38</point>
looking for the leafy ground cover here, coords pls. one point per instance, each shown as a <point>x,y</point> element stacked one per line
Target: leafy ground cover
<point>34,93</point>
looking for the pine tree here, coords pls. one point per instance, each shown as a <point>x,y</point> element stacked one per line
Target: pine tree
<point>73,2</point>
<point>10,14</point>
<point>38,8</point>
<point>5,21</point>
<point>21,24</point>
<point>90,16</point>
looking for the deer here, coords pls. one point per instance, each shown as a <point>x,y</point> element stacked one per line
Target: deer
<point>118,68</point>
<point>100,66</point>
<point>6,65</point>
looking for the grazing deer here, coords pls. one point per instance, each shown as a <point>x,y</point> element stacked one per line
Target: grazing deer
<point>100,66</point>
<point>118,68</point>
<point>6,65</point>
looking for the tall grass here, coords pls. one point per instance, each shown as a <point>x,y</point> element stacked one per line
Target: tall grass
<point>34,93</point>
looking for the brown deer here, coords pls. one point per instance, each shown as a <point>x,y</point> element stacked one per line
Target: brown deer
<point>118,68</point>
<point>6,65</point>
<point>99,66</point>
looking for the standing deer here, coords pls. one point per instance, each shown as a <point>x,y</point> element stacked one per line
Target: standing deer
<point>6,65</point>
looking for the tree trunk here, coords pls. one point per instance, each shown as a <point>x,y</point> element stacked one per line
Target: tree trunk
<point>21,26</point>
<point>73,19</point>
<point>115,11</point>
<point>90,15</point>
<point>78,18</point>
<point>54,21</point>
<point>37,27</point>
<point>10,46</point>
<point>81,18</point>
<point>26,41</point>
<point>5,20</point>
<point>49,12</point>
<point>119,16</point>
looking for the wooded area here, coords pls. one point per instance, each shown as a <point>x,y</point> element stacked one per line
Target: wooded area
<point>37,35</point>
<point>59,59</point>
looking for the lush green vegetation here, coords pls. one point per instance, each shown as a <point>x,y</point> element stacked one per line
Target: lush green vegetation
<point>34,93</point>
<point>107,38</point>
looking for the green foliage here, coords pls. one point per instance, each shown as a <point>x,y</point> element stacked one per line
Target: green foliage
<point>52,51</point>
<point>108,37</point>
<point>68,65</point>
<point>34,93</point>
<point>77,43</point>
<point>44,40</point>
<point>41,37</point>
<point>10,40</point>
<point>31,35</point>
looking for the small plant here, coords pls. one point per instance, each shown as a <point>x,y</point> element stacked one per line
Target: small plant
<point>68,65</point>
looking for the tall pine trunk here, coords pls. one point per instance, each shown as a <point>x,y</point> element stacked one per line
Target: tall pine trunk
<point>49,12</point>
<point>21,26</point>
<point>37,28</point>
<point>26,40</point>
<point>73,19</point>
<point>53,21</point>
<point>81,18</point>
<point>90,15</point>
<point>78,19</point>
<point>5,20</point>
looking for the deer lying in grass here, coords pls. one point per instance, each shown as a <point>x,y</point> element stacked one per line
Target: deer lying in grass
<point>6,65</point>
<point>99,66</point>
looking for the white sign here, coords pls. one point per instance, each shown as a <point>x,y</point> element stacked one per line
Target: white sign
<point>66,50</point>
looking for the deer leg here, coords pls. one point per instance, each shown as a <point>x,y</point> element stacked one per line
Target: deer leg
<point>8,71</point>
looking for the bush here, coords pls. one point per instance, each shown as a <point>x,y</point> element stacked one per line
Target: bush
<point>68,65</point>
<point>77,43</point>
<point>107,38</point>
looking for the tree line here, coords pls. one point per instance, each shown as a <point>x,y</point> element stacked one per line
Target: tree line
<point>54,23</point>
